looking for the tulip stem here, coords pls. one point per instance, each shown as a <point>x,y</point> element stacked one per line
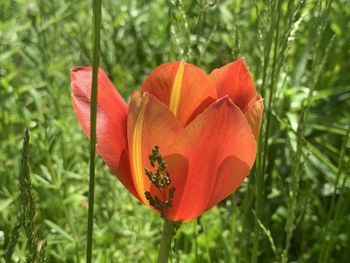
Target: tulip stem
<point>169,231</point>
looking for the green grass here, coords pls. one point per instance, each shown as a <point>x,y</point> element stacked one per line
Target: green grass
<point>294,206</point>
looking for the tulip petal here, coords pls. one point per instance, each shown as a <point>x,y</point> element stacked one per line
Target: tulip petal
<point>185,88</point>
<point>111,121</point>
<point>234,80</point>
<point>220,149</point>
<point>254,115</point>
<point>207,160</point>
<point>150,123</point>
<point>230,175</point>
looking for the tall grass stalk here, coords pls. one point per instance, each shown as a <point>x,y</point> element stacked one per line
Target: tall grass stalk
<point>275,42</point>
<point>293,192</point>
<point>317,66</point>
<point>35,247</point>
<point>93,110</point>
<point>334,210</point>
<point>269,30</point>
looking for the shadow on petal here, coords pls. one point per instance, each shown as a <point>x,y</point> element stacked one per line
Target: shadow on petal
<point>178,170</point>
<point>230,175</point>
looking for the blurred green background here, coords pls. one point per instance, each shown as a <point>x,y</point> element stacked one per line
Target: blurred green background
<point>294,206</point>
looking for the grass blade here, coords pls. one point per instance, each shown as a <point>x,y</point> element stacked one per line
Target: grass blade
<point>93,110</point>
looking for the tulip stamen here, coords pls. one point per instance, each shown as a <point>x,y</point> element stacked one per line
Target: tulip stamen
<point>161,179</point>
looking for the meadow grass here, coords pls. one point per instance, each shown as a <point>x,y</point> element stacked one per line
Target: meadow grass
<point>293,207</point>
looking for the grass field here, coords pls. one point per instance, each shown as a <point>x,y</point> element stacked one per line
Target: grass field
<point>295,204</point>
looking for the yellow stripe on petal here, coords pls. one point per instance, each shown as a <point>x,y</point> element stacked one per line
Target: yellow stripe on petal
<point>137,151</point>
<point>176,89</point>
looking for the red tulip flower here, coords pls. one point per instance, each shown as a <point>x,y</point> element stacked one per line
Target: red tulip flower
<point>206,127</point>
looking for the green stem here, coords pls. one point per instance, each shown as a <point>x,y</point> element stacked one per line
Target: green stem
<point>93,110</point>
<point>169,231</point>
<point>271,41</point>
<point>333,212</point>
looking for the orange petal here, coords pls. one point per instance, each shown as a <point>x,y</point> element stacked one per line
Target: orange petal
<point>183,87</point>
<point>235,81</point>
<point>111,120</point>
<point>229,177</point>
<point>150,123</point>
<point>254,115</point>
<point>219,149</point>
